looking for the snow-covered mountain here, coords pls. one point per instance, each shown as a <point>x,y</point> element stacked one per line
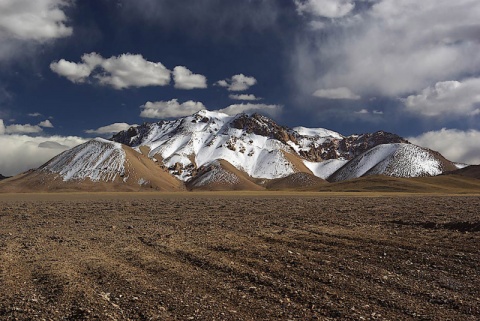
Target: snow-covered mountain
<point>97,160</point>
<point>253,144</point>
<point>397,160</point>
<point>98,164</point>
<point>211,150</point>
<point>261,148</point>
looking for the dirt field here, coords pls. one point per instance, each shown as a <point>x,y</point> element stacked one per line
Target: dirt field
<point>276,256</point>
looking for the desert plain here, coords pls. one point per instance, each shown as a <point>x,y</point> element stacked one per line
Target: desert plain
<point>239,256</point>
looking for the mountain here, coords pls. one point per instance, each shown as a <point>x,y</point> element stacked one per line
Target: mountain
<point>2,177</point>
<point>97,165</point>
<point>396,160</point>
<point>214,151</point>
<point>259,147</point>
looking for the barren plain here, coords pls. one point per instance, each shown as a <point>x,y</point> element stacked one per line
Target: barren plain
<point>239,256</point>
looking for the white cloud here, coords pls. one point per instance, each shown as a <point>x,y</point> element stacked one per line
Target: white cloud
<point>34,115</point>
<point>24,22</point>
<point>447,98</point>
<point>170,109</point>
<point>46,124</point>
<point>244,97</point>
<point>325,8</point>
<point>456,145</point>
<point>336,93</point>
<point>238,82</point>
<point>185,79</point>
<point>129,70</point>
<point>74,72</point>
<point>119,72</point>
<point>22,129</point>
<point>22,152</point>
<point>362,111</point>
<point>33,20</point>
<point>392,48</point>
<point>272,110</point>
<point>109,129</point>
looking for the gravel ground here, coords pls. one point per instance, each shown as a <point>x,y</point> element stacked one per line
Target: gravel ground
<point>274,256</point>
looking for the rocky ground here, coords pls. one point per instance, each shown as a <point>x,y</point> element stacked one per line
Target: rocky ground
<point>212,256</point>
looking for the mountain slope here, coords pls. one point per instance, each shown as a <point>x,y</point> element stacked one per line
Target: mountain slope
<point>396,160</point>
<point>97,165</point>
<point>221,175</point>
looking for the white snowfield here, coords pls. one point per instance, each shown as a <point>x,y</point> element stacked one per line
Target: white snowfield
<point>326,168</point>
<point>97,160</point>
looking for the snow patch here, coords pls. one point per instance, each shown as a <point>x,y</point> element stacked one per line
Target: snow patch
<point>326,168</point>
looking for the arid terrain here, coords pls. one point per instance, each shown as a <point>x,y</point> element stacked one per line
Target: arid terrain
<point>239,256</point>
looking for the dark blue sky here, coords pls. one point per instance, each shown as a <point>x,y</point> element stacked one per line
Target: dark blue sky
<point>349,66</point>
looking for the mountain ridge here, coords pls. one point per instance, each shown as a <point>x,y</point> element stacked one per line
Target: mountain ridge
<point>210,150</point>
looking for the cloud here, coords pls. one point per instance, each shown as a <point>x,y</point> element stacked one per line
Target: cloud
<point>447,98</point>
<point>31,22</point>
<point>336,93</point>
<point>362,111</point>
<point>272,110</point>
<point>244,97</point>
<point>456,145</point>
<point>123,71</point>
<point>109,129</point>
<point>22,152</point>
<point>34,115</point>
<point>185,79</point>
<point>170,109</point>
<point>22,129</point>
<point>325,8</point>
<point>46,124</point>
<point>391,48</point>
<point>238,82</point>
<point>74,72</point>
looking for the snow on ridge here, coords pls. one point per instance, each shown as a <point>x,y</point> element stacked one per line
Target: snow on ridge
<point>97,160</point>
<point>320,132</point>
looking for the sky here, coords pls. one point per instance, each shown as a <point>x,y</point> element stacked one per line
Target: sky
<point>72,70</point>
